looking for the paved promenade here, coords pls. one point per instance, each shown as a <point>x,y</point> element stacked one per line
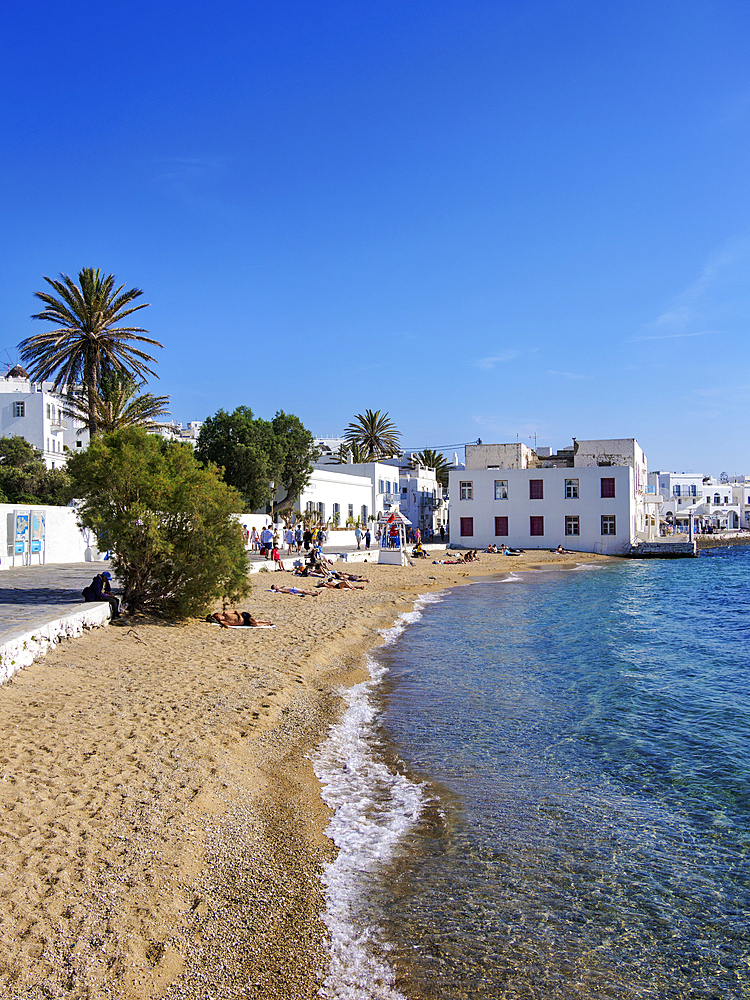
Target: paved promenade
<point>30,595</point>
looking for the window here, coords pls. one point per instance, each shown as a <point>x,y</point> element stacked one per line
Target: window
<point>19,410</point>
<point>351,511</point>
<point>48,411</point>
<point>467,491</point>
<point>79,444</point>
<point>322,511</point>
<point>403,489</point>
<point>571,490</point>
<point>536,525</point>
<point>467,527</point>
<point>337,508</point>
<point>572,525</point>
<point>364,513</point>
<point>608,487</point>
<point>693,491</point>
<point>676,490</point>
<point>501,527</point>
<point>501,489</point>
<point>609,526</point>
<point>380,486</point>
<point>536,489</point>
<point>717,498</point>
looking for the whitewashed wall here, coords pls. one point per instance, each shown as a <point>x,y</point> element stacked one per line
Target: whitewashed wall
<point>65,542</point>
<point>554,508</point>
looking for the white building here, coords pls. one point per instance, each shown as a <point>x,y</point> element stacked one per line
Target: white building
<point>589,498</point>
<point>741,496</point>
<point>414,488</point>
<point>337,496</point>
<point>32,411</point>
<point>710,503</point>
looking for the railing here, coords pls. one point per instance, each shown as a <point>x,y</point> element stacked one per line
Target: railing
<point>390,541</point>
<point>58,425</point>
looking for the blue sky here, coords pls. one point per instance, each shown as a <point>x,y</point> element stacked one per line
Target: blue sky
<point>489,219</point>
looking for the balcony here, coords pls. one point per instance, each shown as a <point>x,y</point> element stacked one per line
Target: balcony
<point>58,425</point>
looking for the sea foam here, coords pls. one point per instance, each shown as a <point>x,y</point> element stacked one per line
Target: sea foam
<point>373,808</point>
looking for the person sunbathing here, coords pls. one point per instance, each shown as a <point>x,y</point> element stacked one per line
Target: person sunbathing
<point>338,584</point>
<point>238,619</point>
<point>294,591</point>
<point>339,574</point>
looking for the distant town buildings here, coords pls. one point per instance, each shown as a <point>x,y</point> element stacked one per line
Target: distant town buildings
<point>33,411</point>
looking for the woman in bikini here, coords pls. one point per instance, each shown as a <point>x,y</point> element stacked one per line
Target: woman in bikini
<point>237,619</point>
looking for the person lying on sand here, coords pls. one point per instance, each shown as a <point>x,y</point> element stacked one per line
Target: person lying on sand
<point>338,585</point>
<point>238,619</point>
<point>295,591</point>
<point>339,574</point>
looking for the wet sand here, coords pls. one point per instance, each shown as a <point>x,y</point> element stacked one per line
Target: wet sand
<point>161,828</point>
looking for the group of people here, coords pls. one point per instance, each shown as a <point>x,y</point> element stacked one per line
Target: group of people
<point>503,550</point>
<point>471,556</point>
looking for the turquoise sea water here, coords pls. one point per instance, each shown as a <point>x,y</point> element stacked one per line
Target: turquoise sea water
<point>581,744</point>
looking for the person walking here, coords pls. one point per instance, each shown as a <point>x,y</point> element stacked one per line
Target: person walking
<point>368,539</point>
<point>442,533</point>
<point>298,537</point>
<point>266,539</point>
<point>358,535</point>
<point>289,539</point>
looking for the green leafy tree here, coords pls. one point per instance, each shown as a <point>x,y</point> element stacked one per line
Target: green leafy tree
<point>375,433</point>
<point>89,338</point>
<point>16,452</point>
<point>255,453</point>
<point>118,403</point>
<point>435,460</point>
<point>176,547</point>
<point>24,478</point>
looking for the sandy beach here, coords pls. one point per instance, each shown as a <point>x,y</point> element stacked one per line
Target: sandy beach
<point>161,826</point>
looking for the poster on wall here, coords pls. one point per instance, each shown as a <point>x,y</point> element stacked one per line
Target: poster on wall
<point>20,533</point>
<point>37,530</point>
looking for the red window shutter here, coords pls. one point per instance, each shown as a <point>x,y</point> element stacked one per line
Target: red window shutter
<point>536,489</point>
<point>501,527</point>
<point>608,487</point>
<point>536,526</point>
<point>467,527</point>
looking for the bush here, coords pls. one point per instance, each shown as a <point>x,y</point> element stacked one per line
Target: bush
<point>167,520</point>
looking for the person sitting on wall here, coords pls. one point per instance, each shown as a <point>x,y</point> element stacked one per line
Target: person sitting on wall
<point>100,590</point>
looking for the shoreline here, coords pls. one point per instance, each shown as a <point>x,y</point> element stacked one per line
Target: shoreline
<point>162,826</point>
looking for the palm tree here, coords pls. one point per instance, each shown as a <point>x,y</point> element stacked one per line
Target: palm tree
<point>375,433</point>
<point>357,452</point>
<point>118,403</point>
<point>87,340</point>
<point>432,459</point>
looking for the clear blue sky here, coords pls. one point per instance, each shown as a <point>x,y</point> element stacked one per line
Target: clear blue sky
<point>490,219</point>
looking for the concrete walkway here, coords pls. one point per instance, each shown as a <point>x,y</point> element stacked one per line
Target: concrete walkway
<point>39,605</point>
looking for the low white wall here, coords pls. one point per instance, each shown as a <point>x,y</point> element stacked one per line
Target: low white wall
<point>22,646</point>
<point>64,541</point>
